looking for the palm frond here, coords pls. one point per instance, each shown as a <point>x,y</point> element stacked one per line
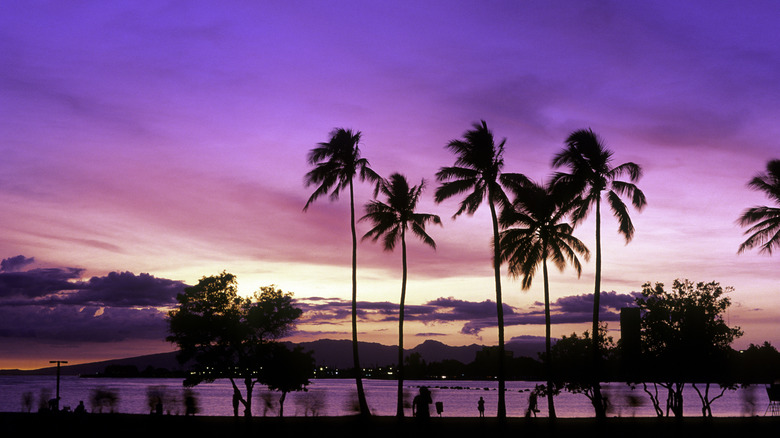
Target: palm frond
<point>453,188</point>
<point>619,209</point>
<point>768,182</point>
<point>638,199</point>
<point>765,230</point>
<point>633,170</point>
<point>456,173</point>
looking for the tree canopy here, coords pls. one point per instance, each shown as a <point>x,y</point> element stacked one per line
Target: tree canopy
<point>684,339</point>
<point>224,335</point>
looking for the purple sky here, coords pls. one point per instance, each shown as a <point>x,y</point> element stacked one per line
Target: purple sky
<point>147,145</point>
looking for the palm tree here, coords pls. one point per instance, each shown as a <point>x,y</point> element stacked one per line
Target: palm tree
<point>336,163</point>
<point>764,221</point>
<point>391,221</point>
<point>534,234</point>
<point>477,170</point>
<point>591,171</point>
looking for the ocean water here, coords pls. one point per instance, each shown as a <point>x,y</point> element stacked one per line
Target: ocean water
<point>337,397</point>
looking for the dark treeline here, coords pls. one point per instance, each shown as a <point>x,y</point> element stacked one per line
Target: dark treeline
<point>129,371</point>
<point>758,364</point>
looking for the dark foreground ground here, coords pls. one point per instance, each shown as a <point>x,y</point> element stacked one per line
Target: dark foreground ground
<point>146,426</point>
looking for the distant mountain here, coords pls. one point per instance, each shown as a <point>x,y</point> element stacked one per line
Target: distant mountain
<point>159,360</point>
<point>327,352</point>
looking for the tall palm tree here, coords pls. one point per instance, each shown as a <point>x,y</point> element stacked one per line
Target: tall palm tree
<point>591,171</point>
<point>391,221</point>
<point>336,164</point>
<point>477,170</point>
<point>764,221</point>
<point>534,233</point>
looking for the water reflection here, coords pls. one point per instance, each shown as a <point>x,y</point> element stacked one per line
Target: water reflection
<point>335,397</point>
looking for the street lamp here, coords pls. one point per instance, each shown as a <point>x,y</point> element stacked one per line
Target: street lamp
<point>58,362</point>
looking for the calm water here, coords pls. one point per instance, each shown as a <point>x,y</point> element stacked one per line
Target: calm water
<point>336,397</point>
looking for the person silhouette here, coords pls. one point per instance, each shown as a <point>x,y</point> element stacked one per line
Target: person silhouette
<point>481,407</point>
<point>420,408</point>
<point>80,408</point>
<point>532,405</point>
<point>190,405</point>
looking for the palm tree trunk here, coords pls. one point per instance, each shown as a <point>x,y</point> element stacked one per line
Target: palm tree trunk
<point>400,406</point>
<point>356,361</point>
<point>598,404</point>
<point>547,340</point>
<point>499,311</point>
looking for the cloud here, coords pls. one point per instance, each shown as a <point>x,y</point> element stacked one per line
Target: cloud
<point>74,324</point>
<point>36,283</point>
<point>125,289</point>
<point>609,301</point>
<point>13,264</point>
<point>475,316</point>
<point>58,305</point>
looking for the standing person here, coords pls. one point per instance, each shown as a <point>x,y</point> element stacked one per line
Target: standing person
<point>481,407</point>
<point>532,406</point>
<point>420,408</point>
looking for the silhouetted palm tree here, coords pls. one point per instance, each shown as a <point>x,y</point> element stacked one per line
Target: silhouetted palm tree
<point>391,221</point>
<point>336,163</point>
<point>477,170</point>
<point>534,233</point>
<point>591,170</point>
<point>764,221</point>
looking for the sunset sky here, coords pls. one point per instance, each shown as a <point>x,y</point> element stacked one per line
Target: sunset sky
<point>147,144</point>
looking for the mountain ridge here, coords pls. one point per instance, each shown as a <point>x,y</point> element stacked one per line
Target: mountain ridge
<point>333,353</point>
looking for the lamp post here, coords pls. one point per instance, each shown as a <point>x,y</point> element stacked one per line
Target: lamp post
<point>58,362</point>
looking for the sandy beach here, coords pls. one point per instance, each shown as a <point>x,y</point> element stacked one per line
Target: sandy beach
<point>121,425</point>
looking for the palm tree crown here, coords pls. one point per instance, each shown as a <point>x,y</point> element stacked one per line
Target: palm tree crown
<point>336,163</point>
<point>534,233</point>
<point>477,170</point>
<point>590,165</point>
<point>764,221</point>
<point>391,221</point>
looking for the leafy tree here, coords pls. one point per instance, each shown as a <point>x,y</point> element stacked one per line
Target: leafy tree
<point>226,335</point>
<point>478,170</point>
<point>534,232</point>
<point>758,364</point>
<point>685,339</point>
<point>336,164</point>
<point>288,370</point>
<point>391,221</point>
<point>764,222</point>
<point>571,356</point>
<point>591,171</point>
<point>415,366</point>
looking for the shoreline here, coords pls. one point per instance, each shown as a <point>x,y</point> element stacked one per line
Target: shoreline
<point>35,424</point>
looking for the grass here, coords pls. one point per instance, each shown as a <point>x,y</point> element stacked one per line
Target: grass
<point>146,426</point>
